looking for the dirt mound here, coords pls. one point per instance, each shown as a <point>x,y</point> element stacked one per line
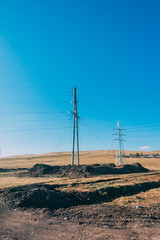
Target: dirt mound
<point>4,170</point>
<point>40,169</point>
<point>12,169</point>
<point>61,171</point>
<point>48,196</point>
<point>84,170</point>
<point>134,168</point>
<point>35,195</point>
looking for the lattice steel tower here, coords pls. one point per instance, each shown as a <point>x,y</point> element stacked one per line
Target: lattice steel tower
<point>120,153</point>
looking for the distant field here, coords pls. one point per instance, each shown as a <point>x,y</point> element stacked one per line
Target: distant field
<point>11,179</point>
<point>64,158</point>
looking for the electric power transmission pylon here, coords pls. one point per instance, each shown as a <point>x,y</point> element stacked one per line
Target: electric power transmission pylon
<point>75,127</point>
<point>120,153</point>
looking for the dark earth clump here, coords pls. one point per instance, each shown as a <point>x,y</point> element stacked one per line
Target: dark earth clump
<point>49,196</point>
<point>12,169</point>
<point>84,170</point>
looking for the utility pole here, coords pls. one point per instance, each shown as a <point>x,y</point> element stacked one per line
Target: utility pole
<point>75,127</point>
<point>120,153</point>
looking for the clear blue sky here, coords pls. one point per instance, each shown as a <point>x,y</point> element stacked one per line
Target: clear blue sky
<point>109,50</point>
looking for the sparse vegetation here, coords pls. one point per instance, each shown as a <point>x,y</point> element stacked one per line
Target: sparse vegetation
<point>13,179</point>
<point>114,201</point>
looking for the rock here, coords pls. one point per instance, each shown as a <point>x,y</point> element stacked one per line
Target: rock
<point>138,207</point>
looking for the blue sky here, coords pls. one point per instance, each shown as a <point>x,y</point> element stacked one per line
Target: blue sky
<point>109,50</point>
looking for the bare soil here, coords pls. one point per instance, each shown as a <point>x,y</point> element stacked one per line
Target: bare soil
<point>43,211</point>
<point>3,170</point>
<point>51,197</point>
<point>81,222</point>
<point>84,170</point>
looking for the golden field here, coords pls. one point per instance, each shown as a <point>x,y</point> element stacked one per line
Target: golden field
<point>86,157</point>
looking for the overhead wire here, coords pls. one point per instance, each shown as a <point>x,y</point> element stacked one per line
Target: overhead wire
<point>144,132</point>
<point>139,127</point>
<point>142,139</point>
<point>25,113</point>
<point>31,103</point>
<point>33,129</point>
<point>93,132</point>
<point>14,86</point>
<point>145,125</point>
<point>61,138</point>
<point>42,120</point>
<point>140,130</point>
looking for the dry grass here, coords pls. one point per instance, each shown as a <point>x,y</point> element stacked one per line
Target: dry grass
<point>15,181</point>
<point>151,197</point>
<point>102,182</point>
<point>64,158</point>
<point>143,199</point>
<point>81,184</point>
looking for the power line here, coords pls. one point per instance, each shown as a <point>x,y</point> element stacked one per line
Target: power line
<point>31,103</point>
<point>145,132</point>
<point>29,113</point>
<point>151,124</point>
<point>14,86</point>
<point>141,129</point>
<point>142,139</point>
<point>33,129</point>
<point>20,103</point>
<point>61,138</point>
<point>93,132</point>
<point>45,120</point>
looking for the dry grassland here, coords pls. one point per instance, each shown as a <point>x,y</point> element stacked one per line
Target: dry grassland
<point>11,179</point>
<point>143,199</point>
<point>64,158</point>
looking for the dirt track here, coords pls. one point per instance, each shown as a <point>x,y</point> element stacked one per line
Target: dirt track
<point>82,222</point>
